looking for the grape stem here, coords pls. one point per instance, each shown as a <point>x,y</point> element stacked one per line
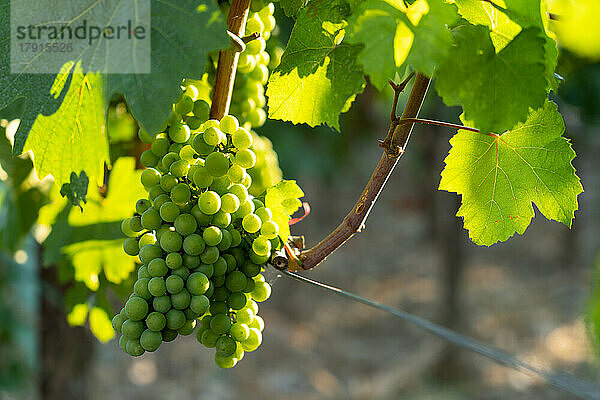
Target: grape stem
<point>228,59</point>
<point>394,145</point>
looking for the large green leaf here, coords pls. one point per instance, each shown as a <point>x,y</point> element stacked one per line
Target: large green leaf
<point>73,139</point>
<point>500,176</point>
<point>318,77</point>
<point>495,90</point>
<point>182,34</point>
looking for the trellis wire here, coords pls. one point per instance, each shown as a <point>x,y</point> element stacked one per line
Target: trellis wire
<point>561,380</point>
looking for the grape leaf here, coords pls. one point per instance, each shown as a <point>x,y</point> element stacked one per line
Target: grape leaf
<point>182,35</point>
<point>283,201</point>
<point>92,238</point>
<point>495,90</point>
<point>73,138</point>
<point>578,29</point>
<point>500,176</point>
<point>291,7</point>
<point>392,34</point>
<point>318,76</point>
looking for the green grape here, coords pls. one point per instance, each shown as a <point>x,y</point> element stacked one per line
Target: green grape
<point>246,62</point>
<point>242,139</point>
<point>123,342</point>
<point>157,287</point>
<point>239,331</point>
<point>250,269</point>
<point>217,164</point>
<point>229,124</point>
<point>126,229</point>
<point>263,213</point>
<point>244,316</point>
<point>179,168</point>
<point>150,177</point>
<point>249,286</point>
<point>220,267</point>
<point>261,292</point>
<point>269,229</point>
<point>189,313</point>
<point>256,259</point>
<point>169,211</point>
<point>187,153</point>
<point>218,307</point>
<point>245,209</point>
<point>160,147</point>
<point>221,293</point>
<point>150,340</point>
<point>158,267</point>
<point>174,284</point>
<point>169,159</point>
<point>229,203</point>
<point>236,238</point>
<point>212,136</point>
<point>252,305</point>
<point>212,236</point>
<point>225,242</point>
<point>187,328</point>
<point>199,304</point>
<point>261,246</point>
<point>254,340</point>
<point>209,202</point>
<point>225,346</point>
<point>239,255</point>
<point>151,219</point>
<point>260,74</point>
<point>201,146</point>
<point>190,261</point>
<point>245,158</point>
<point>184,106</point>
<point>162,303</point>
<point>257,204</point>
<point>140,288</point>
<point>254,24</point>
<point>143,272</point>
<point>146,238</point>
<point>201,110</point>
<point>185,224</point>
<point>230,261</point>
<point>236,173</point>
<point>194,245</point>
<point>174,260</point>
<point>218,281</point>
<point>144,136</point>
<point>131,246</point>
<point>181,300</point>
<point>132,329</point>
<point>175,319</point>
<point>193,122</point>
<point>210,255</point>
<point>237,300</point>
<point>155,191</point>
<point>117,321</point>
<point>211,123</point>
<point>236,281</point>
<point>160,200</point>
<point>148,159</point>
<point>134,348</point>
<point>220,323</point>
<point>171,241</point>
<point>209,338</point>
<point>163,228</point>
<point>257,323</point>
<point>181,194</point>
<point>256,46</point>
<point>202,178</point>
<point>225,362</point>
<point>136,308</point>
<point>149,252</point>
<point>179,133</point>
<point>251,223</point>
<point>206,269</point>
<point>169,335</point>
<point>220,185</point>
<point>221,219</point>
<point>197,283</point>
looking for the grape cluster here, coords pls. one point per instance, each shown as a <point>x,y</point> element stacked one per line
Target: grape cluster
<point>201,238</point>
<point>248,99</point>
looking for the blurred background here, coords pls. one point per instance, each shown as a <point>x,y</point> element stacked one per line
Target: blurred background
<point>535,296</point>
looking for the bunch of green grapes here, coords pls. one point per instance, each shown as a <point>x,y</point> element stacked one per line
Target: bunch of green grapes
<point>201,238</point>
<point>248,99</point>
<point>266,171</point>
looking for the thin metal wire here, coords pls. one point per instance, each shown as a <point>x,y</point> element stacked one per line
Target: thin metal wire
<point>561,380</point>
